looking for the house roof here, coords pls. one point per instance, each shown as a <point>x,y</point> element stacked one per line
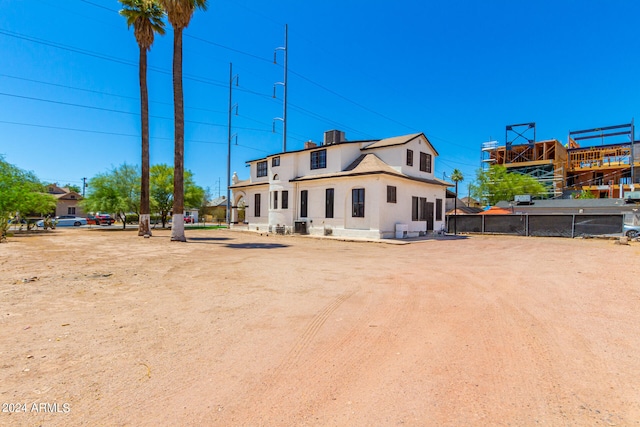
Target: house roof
<point>248,183</point>
<point>464,210</point>
<point>369,164</point>
<point>218,201</point>
<point>399,140</point>
<point>469,200</point>
<point>316,147</point>
<point>369,144</point>
<point>63,193</point>
<point>71,195</point>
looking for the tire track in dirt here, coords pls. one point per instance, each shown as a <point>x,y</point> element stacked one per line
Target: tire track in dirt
<point>360,346</point>
<point>310,332</point>
<point>550,358</point>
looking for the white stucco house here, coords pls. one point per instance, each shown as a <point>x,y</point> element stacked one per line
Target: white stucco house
<point>373,189</point>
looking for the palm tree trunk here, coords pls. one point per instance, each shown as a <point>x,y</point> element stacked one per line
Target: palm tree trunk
<point>177,222</point>
<point>144,227</point>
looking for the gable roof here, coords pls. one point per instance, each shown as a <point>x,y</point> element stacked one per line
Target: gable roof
<point>218,201</point>
<point>71,195</point>
<point>368,164</point>
<point>399,140</point>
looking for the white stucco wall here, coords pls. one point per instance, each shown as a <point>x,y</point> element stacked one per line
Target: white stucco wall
<point>380,217</point>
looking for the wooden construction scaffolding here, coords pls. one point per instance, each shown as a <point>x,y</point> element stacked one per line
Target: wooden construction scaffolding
<point>604,170</point>
<point>544,160</point>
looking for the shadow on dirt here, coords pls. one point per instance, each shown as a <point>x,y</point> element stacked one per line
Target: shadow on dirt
<point>207,239</point>
<point>256,246</point>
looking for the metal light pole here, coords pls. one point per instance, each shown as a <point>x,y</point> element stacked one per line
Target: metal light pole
<point>231,79</point>
<point>284,84</point>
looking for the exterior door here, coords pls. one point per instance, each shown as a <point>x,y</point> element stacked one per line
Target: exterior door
<point>430,213</point>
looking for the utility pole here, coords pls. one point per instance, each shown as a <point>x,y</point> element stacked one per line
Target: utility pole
<point>633,137</point>
<point>232,78</point>
<point>284,85</point>
<point>84,185</point>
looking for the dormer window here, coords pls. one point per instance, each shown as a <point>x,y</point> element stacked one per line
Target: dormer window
<point>319,159</point>
<point>425,162</point>
<point>261,169</point>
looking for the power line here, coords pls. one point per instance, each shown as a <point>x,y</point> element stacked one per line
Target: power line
<point>105,93</point>
<point>120,111</point>
<point>99,5</point>
<point>120,133</point>
<point>206,80</point>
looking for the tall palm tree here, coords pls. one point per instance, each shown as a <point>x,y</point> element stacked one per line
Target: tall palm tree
<point>456,176</point>
<point>179,13</point>
<point>146,18</point>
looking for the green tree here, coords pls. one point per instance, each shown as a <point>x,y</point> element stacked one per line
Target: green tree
<point>456,177</point>
<point>72,187</point>
<point>162,191</point>
<point>585,194</point>
<point>21,193</point>
<point>179,13</point>
<point>116,192</point>
<point>146,17</point>
<point>498,184</point>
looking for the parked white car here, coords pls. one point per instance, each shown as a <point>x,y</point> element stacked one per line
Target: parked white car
<point>631,231</point>
<point>65,221</point>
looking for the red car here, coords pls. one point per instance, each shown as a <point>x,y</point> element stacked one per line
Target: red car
<point>100,219</point>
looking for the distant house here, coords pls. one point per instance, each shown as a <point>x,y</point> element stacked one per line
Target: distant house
<point>471,202</point>
<point>369,189</point>
<point>67,201</point>
<point>216,209</point>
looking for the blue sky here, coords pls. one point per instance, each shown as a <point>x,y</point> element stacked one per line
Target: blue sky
<point>459,71</point>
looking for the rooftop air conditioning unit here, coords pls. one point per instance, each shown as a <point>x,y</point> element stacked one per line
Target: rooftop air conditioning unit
<point>333,137</point>
<point>523,199</point>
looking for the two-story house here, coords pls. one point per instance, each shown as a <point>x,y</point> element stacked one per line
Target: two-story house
<point>345,188</point>
<point>67,200</point>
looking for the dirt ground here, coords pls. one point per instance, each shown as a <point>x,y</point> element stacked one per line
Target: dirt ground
<point>102,328</point>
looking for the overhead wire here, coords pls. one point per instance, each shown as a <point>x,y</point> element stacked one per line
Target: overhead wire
<point>219,83</point>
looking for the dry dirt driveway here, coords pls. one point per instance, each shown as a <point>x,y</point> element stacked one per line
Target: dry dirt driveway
<point>105,328</point>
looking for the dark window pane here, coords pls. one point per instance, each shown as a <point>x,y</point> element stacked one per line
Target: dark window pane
<point>425,162</point>
<point>261,169</point>
<point>391,194</point>
<point>357,198</point>
<point>303,203</point>
<point>319,159</point>
<point>329,203</point>
<point>256,205</point>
